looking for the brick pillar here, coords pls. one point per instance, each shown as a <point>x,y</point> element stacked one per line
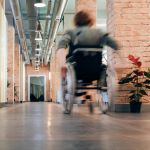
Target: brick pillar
<point>58,60</point>
<point>17,73</point>
<point>129,22</point>
<point>10,70</point>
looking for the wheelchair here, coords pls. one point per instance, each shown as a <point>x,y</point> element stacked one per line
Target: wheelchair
<point>84,72</point>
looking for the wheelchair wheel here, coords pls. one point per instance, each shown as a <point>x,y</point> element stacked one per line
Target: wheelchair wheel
<point>69,89</point>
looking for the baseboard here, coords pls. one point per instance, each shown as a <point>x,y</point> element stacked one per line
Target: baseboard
<point>126,107</point>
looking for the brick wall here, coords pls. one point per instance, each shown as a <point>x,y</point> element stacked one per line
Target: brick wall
<point>43,71</point>
<point>17,73</point>
<point>57,61</point>
<point>10,61</point>
<point>129,22</point>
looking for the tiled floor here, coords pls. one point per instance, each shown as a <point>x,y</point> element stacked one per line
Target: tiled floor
<point>43,126</point>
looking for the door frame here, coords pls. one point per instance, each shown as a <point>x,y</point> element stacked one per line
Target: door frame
<point>29,77</point>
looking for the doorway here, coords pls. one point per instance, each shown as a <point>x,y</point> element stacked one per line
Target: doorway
<point>36,88</point>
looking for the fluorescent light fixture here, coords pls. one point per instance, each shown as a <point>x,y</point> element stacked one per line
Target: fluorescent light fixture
<point>37,60</point>
<point>37,69</point>
<point>38,47</point>
<point>39,3</point>
<point>37,54</point>
<point>38,36</point>
<point>39,26</point>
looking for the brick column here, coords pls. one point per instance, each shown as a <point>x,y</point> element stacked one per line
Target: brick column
<point>129,22</point>
<point>17,73</point>
<point>57,61</point>
<point>10,70</point>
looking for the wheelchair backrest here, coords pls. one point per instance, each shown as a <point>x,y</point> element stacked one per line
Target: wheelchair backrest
<point>86,56</point>
<point>87,63</point>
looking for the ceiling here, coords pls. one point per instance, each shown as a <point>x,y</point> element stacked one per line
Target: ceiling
<point>26,17</point>
<point>26,23</point>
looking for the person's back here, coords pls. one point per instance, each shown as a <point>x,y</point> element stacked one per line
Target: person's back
<point>84,36</point>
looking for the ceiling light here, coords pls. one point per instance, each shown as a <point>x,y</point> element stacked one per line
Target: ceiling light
<point>37,59</point>
<point>36,69</point>
<point>39,26</point>
<point>37,54</point>
<point>39,3</point>
<point>37,63</point>
<point>38,47</point>
<point>38,36</point>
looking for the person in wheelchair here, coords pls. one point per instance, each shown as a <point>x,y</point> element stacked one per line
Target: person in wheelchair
<point>83,36</point>
<point>85,45</point>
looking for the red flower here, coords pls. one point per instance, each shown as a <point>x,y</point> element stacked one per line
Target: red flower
<point>138,64</point>
<point>135,60</point>
<point>131,57</point>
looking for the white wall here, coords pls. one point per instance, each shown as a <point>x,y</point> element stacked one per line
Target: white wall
<point>3,56</point>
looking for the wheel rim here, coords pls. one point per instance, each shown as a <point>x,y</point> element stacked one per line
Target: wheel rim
<point>69,89</point>
<point>102,105</point>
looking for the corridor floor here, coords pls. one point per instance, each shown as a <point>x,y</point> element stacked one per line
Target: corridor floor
<point>43,126</point>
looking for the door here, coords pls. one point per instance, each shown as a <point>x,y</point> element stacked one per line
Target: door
<point>37,89</point>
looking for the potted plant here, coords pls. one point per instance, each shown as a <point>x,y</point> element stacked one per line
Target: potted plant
<point>139,81</point>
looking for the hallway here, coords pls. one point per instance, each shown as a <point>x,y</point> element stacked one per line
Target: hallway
<point>43,126</point>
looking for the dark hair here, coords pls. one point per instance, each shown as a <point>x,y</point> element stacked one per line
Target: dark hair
<point>83,18</point>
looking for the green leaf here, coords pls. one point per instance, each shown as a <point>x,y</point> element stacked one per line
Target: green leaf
<point>132,91</point>
<point>147,82</point>
<point>138,85</point>
<point>148,87</point>
<point>132,96</point>
<point>135,97</point>
<point>149,69</point>
<point>147,74</point>
<point>143,92</point>
<point>128,75</point>
<point>125,80</point>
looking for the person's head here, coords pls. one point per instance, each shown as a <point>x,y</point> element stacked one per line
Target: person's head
<point>83,18</point>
